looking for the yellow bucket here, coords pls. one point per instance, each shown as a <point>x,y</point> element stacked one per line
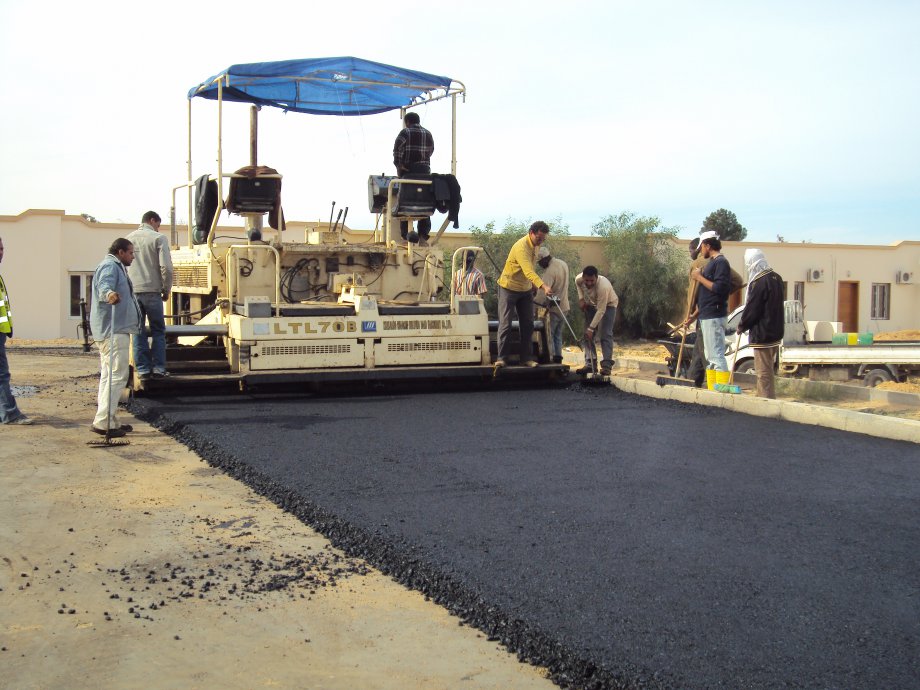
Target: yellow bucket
<point>722,377</point>
<point>710,378</point>
<point>852,338</point>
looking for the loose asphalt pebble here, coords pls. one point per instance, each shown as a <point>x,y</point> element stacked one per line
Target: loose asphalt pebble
<point>617,540</point>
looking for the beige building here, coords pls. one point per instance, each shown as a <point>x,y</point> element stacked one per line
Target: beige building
<point>50,259</point>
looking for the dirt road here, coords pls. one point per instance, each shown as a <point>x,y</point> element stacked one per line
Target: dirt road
<point>140,566</point>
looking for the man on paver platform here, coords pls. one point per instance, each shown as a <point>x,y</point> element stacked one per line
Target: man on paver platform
<point>9,411</point>
<point>412,152</point>
<point>515,293</point>
<point>556,275</point>
<point>114,318</point>
<point>712,299</point>
<point>151,274</point>
<point>469,280</point>
<point>764,317</point>
<point>599,302</point>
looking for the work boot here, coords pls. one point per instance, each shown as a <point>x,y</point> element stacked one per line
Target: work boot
<point>111,433</point>
<point>531,363</point>
<point>586,369</point>
<point>499,363</point>
<point>557,359</point>
<point>605,371</point>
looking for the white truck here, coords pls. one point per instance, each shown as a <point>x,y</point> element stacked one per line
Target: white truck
<point>807,351</point>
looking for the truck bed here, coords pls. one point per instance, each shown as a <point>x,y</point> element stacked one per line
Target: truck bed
<point>907,353</point>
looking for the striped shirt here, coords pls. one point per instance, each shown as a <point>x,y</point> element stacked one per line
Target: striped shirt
<point>471,282</point>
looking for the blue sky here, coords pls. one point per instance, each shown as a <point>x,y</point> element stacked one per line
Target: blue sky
<point>801,117</point>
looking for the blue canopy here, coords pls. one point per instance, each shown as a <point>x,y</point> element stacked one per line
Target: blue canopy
<point>324,86</point>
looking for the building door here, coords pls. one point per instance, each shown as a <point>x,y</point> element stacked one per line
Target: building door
<point>848,305</point>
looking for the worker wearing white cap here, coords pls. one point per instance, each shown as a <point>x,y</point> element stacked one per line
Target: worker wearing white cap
<point>712,299</point>
<point>556,275</point>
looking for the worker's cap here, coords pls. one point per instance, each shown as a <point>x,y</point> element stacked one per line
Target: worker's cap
<point>544,252</point>
<point>708,235</point>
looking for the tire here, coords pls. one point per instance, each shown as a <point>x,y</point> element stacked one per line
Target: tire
<point>876,376</point>
<point>745,366</point>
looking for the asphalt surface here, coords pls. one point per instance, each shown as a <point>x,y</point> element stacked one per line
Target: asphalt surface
<point>621,541</point>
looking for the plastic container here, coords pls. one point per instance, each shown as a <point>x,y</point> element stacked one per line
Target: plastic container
<point>710,378</point>
<point>852,338</point>
<point>839,339</point>
<point>864,339</point>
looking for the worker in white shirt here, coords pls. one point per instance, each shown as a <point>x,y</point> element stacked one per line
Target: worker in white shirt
<point>599,302</point>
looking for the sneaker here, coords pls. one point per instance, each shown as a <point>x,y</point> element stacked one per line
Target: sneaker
<point>499,363</point>
<point>21,419</point>
<point>160,374</point>
<point>586,369</point>
<point>111,433</point>
<point>126,427</point>
<point>557,359</point>
<point>531,363</point>
<point>143,375</point>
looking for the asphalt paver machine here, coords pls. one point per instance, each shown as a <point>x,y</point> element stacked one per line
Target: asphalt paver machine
<point>268,310</point>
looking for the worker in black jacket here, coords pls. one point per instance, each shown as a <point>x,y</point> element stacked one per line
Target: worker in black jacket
<point>763,317</point>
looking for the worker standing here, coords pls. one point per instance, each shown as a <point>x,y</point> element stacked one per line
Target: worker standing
<point>151,275</point>
<point>599,302</point>
<point>412,152</point>
<point>696,372</point>
<point>9,410</point>
<point>469,280</point>
<point>712,299</point>
<point>114,318</point>
<point>515,294</point>
<point>763,317</point>
<point>556,275</point>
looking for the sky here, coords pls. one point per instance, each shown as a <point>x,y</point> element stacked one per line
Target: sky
<point>803,118</point>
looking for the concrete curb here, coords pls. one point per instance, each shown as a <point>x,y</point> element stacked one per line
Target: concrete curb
<point>800,413</point>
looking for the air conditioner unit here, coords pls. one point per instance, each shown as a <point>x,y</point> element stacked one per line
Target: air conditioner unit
<point>904,277</point>
<point>815,275</point>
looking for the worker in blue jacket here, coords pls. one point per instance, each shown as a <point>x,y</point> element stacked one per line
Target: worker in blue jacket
<point>114,317</point>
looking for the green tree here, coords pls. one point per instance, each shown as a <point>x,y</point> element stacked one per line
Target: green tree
<point>648,271</point>
<point>726,224</point>
<point>497,244</point>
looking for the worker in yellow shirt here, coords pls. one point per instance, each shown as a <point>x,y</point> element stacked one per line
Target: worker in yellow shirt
<point>516,286</point>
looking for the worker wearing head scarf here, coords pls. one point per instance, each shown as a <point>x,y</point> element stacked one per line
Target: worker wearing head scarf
<point>763,318</point>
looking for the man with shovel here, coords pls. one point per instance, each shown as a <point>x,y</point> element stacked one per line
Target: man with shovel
<point>599,302</point>
<point>556,275</point>
<point>114,318</point>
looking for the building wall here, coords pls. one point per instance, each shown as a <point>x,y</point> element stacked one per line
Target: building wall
<point>44,248</point>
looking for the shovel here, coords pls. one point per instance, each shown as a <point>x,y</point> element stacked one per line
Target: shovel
<point>676,380</point>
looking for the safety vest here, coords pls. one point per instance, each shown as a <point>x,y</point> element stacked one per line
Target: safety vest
<point>6,314</point>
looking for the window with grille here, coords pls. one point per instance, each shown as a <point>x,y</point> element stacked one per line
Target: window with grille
<point>881,301</point>
<point>81,286</point>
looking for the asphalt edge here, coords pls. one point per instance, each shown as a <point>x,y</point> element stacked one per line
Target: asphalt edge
<point>893,428</point>
<point>567,667</point>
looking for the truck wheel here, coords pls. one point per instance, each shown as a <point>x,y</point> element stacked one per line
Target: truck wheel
<point>876,376</point>
<point>745,366</point>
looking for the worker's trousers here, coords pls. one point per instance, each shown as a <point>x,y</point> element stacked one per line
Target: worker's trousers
<point>764,358</point>
<point>511,303</point>
<point>149,358</point>
<point>604,333</point>
<point>8,409</point>
<point>107,400</point>
<point>714,342</point>
<point>555,332</point>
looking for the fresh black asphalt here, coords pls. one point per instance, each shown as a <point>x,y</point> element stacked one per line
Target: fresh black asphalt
<point>621,541</point>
